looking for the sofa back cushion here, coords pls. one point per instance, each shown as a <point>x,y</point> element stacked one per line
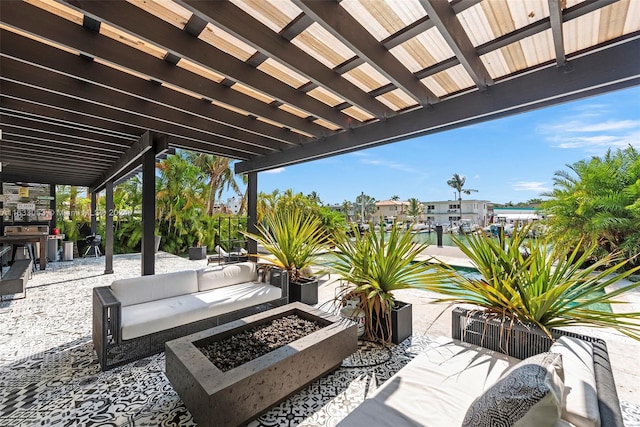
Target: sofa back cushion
<point>226,275</point>
<point>528,394</point>
<point>154,287</point>
<point>580,398</point>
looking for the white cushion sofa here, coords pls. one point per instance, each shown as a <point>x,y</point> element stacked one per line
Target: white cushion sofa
<point>133,318</point>
<point>439,386</point>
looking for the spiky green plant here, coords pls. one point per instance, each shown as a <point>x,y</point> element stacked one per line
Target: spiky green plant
<point>530,281</point>
<point>374,265</point>
<point>293,239</point>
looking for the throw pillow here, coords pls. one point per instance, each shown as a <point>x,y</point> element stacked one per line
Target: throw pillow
<point>528,394</point>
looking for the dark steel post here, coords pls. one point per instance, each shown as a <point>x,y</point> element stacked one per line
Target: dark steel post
<point>148,212</point>
<point>52,206</point>
<point>252,211</point>
<point>108,229</point>
<point>94,212</point>
<point>439,235</point>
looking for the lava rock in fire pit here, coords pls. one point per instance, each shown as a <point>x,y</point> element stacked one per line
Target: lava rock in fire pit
<point>253,343</point>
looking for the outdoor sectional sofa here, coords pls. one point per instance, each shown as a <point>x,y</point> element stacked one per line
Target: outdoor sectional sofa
<point>439,386</point>
<point>133,318</point>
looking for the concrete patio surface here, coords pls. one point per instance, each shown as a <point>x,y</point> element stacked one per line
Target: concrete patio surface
<point>49,372</point>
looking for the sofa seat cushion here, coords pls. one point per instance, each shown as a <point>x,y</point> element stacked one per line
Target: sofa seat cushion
<point>435,389</point>
<point>580,399</point>
<point>143,289</point>
<point>154,316</point>
<point>226,275</point>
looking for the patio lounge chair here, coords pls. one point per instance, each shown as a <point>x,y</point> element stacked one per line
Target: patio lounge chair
<point>234,256</point>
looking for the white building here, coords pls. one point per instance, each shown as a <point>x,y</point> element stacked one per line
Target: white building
<point>513,215</point>
<point>448,212</point>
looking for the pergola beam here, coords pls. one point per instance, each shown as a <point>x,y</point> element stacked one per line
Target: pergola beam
<point>447,23</point>
<point>52,62</point>
<point>178,135</point>
<point>603,71</point>
<point>237,22</point>
<point>131,159</point>
<point>136,21</point>
<point>555,18</point>
<point>333,18</point>
<point>16,72</point>
<point>43,24</point>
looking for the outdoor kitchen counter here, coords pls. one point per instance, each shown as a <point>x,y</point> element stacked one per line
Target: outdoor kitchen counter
<point>30,238</point>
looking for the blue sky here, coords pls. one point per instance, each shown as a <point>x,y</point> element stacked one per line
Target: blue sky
<point>510,159</point>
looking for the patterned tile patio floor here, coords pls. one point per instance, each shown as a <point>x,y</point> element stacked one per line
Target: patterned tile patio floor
<point>49,374</point>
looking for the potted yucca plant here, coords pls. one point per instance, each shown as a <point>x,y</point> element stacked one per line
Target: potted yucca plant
<point>527,285</point>
<point>372,266</point>
<point>294,240</point>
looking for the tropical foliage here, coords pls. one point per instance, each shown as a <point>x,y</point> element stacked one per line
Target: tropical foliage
<point>188,187</point>
<point>375,264</point>
<point>597,202</point>
<point>293,238</point>
<point>535,283</point>
<point>308,205</point>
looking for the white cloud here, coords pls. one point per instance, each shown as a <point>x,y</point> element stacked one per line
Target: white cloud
<point>536,186</point>
<point>592,130</point>
<point>276,170</point>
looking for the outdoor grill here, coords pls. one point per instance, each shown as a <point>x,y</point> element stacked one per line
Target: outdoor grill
<point>93,245</point>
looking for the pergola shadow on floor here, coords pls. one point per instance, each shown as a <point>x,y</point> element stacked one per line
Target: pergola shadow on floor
<point>49,372</point>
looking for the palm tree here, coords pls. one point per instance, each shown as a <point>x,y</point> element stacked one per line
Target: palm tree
<point>415,209</point>
<point>395,197</point>
<point>365,204</point>
<point>347,206</point>
<point>220,174</point>
<point>315,197</point>
<point>457,183</point>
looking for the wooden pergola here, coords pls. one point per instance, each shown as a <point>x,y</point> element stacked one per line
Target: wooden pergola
<point>92,90</point>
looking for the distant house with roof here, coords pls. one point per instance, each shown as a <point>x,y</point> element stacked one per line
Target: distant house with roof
<point>391,210</point>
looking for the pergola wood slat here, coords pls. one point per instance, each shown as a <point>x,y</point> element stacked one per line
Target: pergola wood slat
<point>555,18</point>
<point>446,21</point>
<point>343,26</point>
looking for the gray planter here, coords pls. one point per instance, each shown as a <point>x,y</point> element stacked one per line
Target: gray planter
<point>197,252</point>
<point>401,323</point>
<point>305,291</point>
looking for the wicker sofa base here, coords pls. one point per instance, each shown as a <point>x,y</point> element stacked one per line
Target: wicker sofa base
<point>522,341</point>
<point>119,353</point>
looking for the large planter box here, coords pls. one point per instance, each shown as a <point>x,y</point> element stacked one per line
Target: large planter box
<point>197,252</point>
<point>305,291</point>
<point>236,396</point>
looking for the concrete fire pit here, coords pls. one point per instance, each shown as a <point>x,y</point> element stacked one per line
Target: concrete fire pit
<point>234,397</point>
